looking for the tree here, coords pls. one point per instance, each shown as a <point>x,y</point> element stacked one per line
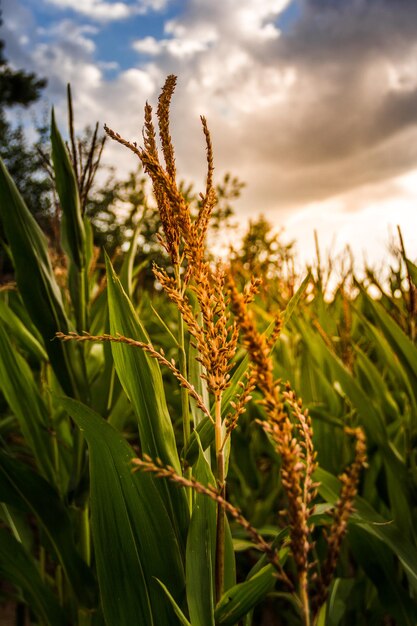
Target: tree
<point>264,254</point>
<point>20,88</point>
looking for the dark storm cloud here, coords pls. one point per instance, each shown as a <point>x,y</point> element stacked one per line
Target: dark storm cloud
<point>351,115</point>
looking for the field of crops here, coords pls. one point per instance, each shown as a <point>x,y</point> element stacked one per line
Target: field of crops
<point>214,451</point>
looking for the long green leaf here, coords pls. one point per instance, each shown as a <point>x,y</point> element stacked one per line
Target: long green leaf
<point>404,347</point>
<point>17,567</point>
<point>21,332</point>
<point>72,226</point>
<point>412,270</point>
<point>73,232</point>
<point>239,600</point>
<point>37,284</point>
<point>135,542</point>
<point>22,487</point>
<point>201,548</point>
<point>378,562</point>
<point>183,620</point>
<point>370,416</point>
<point>292,304</point>
<point>373,523</point>
<point>141,378</point>
<point>24,399</point>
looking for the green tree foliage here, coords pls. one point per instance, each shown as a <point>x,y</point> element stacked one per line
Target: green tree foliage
<point>262,250</point>
<point>21,89</point>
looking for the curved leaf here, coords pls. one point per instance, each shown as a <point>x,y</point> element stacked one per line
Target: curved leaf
<point>22,333</point>
<point>201,549</point>
<point>378,563</point>
<point>17,567</point>
<point>37,284</point>
<point>241,598</point>
<point>72,226</point>
<point>134,540</point>
<point>373,523</point>
<point>21,487</point>
<point>24,399</point>
<point>141,379</point>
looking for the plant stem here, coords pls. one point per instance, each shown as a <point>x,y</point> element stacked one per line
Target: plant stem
<point>82,315</point>
<point>42,561</point>
<point>84,617</point>
<point>85,534</point>
<point>304,599</point>
<point>182,361</point>
<point>220,534</point>
<point>59,584</point>
<point>79,449</point>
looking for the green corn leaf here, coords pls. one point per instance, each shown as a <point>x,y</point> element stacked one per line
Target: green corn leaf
<point>333,611</point>
<point>397,372</point>
<point>37,284</point>
<point>373,523</point>
<point>141,379</point>
<point>378,563</point>
<point>73,233</point>
<point>134,539</point>
<point>72,226</point>
<point>401,344</point>
<point>21,332</point>
<point>371,416</point>
<point>292,304</point>
<point>203,433</point>
<point>200,553</point>
<point>241,598</point>
<point>412,270</point>
<point>381,394</point>
<point>183,620</point>
<point>17,567</point>
<point>21,487</point>
<point>24,399</point>
<point>229,558</point>
<point>89,243</point>
<point>126,272</point>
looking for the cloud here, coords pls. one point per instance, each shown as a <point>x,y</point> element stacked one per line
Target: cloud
<point>108,11</point>
<point>302,115</point>
<point>176,47</point>
<point>368,230</point>
<point>320,110</point>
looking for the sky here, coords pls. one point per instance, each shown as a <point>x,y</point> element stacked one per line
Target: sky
<point>312,103</point>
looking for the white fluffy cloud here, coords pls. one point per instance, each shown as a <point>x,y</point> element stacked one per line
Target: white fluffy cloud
<point>103,11</point>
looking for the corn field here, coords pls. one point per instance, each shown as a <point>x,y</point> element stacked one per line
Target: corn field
<point>215,452</point>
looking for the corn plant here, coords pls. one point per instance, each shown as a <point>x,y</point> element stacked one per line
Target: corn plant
<point>110,513</point>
